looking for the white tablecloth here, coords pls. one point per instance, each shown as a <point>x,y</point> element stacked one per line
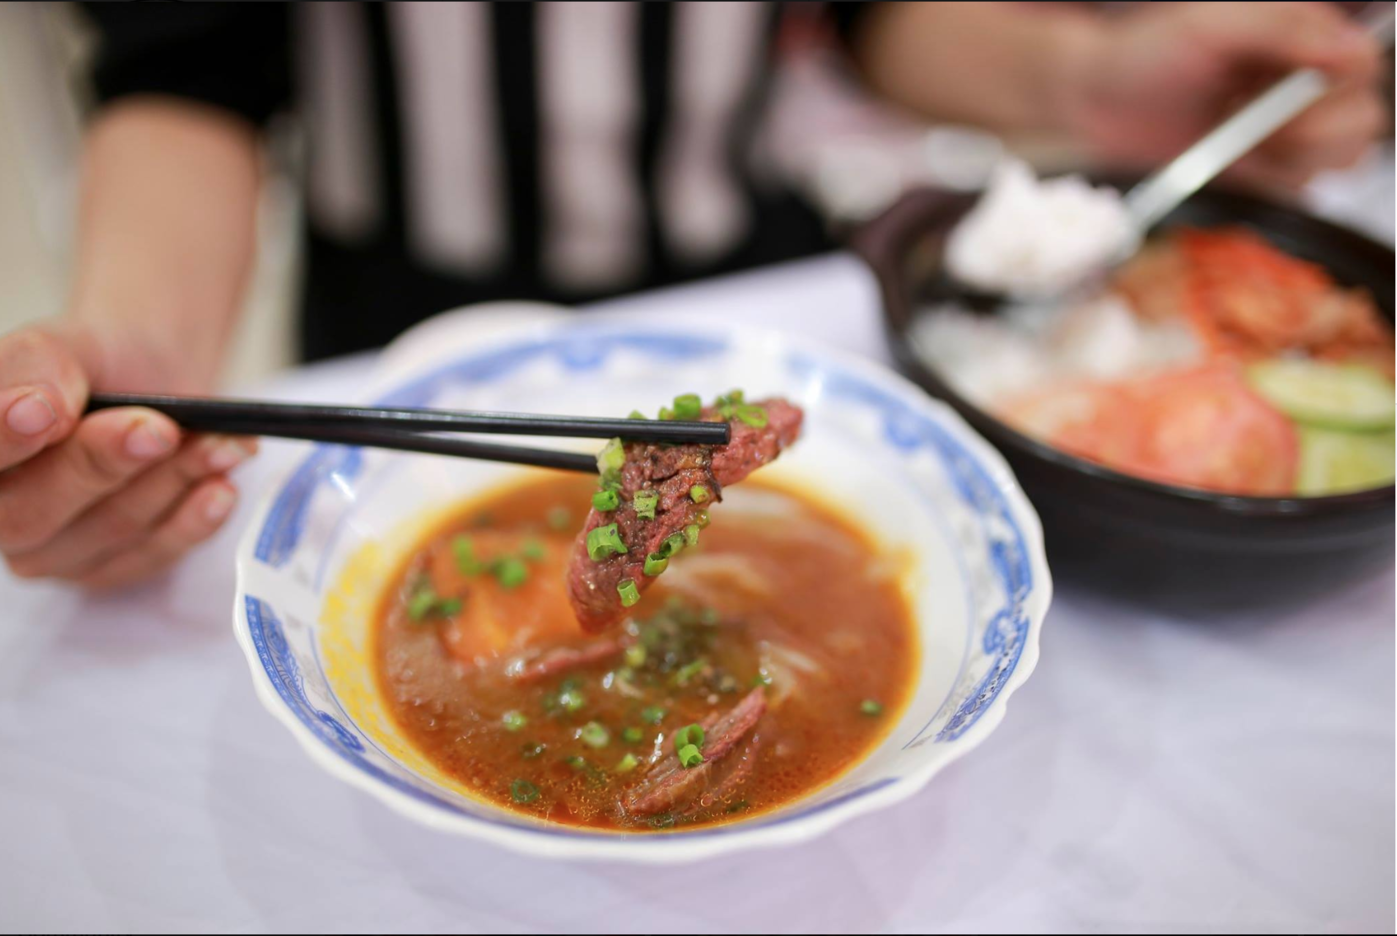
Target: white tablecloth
<point>1161,771</point>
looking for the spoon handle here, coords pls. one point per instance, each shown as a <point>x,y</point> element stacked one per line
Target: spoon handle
<point>1196,166</point>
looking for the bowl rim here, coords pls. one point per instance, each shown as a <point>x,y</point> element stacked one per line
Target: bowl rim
<point>883,244</point>
<point>551,840</point>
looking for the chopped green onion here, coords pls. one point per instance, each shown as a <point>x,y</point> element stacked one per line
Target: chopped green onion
<point>628,592</point>
<point>594,734</point>
<point>532,550</point>
<point>687,406</point>
<point>571,700</point>
<point>753,416</point>
<point>510,572</point>
<point>604,541</point>
<point>644,503</point>
<point>763,678</point>
<point>655,564</point>
<point>698,493</point>
<point>689,756</point>
<point>672,545</point>
<point>627,764</point>
<point>736,396</point>
<point>688,671</point>
<point>633,735</point>
<point>691,533</point>
<point>689,734</point>
<point>652,715</point>
<point>703,519</point>
<point>871,708</point>
<point>449,606</point>
<point>611,457</point>
<point>637,414</point>
<point>635,655</point>
<point>422,603</point>
<point>514,720</point>
<point>523,791</point>
<point>559,518</point>
<point>577,762</point>
<point>606,500</point>
<point>666,412</point>
<point>739,806</point>
<point>464,551</point>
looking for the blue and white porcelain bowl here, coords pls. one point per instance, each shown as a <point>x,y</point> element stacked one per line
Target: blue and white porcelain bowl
<point>320,550</point>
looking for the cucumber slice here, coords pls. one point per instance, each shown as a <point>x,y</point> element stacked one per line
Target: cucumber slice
<point>1336,396</point>
<point>1332,462</point>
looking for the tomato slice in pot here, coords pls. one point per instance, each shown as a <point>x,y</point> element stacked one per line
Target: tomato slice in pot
<point>1205,428</point>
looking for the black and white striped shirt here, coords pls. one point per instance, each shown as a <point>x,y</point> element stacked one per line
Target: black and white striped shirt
<point>461,152</point>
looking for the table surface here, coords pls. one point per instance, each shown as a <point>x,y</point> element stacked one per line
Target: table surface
<point>1230,767</point>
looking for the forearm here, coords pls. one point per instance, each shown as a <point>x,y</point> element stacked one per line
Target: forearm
<point>165,241</point>
<point>1005,66</point>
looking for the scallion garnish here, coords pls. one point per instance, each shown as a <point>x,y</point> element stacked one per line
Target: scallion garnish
<point>687,406</point>
<point>514,720</point>
<point>655,564</point>
<point>425,601</point>
<point>628,592</point>
<point>594,734</point>
<point>666,412</point>
<point>637,414</point>
<point>464,551</point>
<point>652,715</point>
<point>510,571</point>
<point>523,792</point>
<point>611,457</point>
<point>871,707</point>
<point>672,545</point>
<point>691,534</point>
<point>753,416</point>
<point>762,678</point>
<point>571,700</point>
<point>606,500</point>
<point>627,764</point>
<point>688,671</point>
<point>632,735</point>
<point>689,734</point>
<point>604,541</point>
<point>532,550</point>
<point>559,518</point>
<point>421,603</point>
<point>635,655</point>
<point>698,493</point>
<point>644,503</point>
<point>689,756</point>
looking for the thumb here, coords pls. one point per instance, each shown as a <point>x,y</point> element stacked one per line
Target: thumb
<point>44,380</point>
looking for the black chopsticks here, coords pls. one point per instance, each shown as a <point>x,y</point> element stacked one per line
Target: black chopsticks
<point>415,430</point>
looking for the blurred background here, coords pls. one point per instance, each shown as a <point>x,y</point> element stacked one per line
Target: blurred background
<point>849,153</point>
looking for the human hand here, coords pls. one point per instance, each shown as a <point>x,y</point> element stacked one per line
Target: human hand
<point>1151,82</point>
<point>101,500</point>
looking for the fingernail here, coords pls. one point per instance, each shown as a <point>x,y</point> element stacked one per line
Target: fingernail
<point>227,455</point>
<point>145,441</point>
<point>31,414</point>
<point>219,504</point>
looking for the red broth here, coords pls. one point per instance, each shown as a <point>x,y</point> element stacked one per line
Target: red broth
<point>782,594</point>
